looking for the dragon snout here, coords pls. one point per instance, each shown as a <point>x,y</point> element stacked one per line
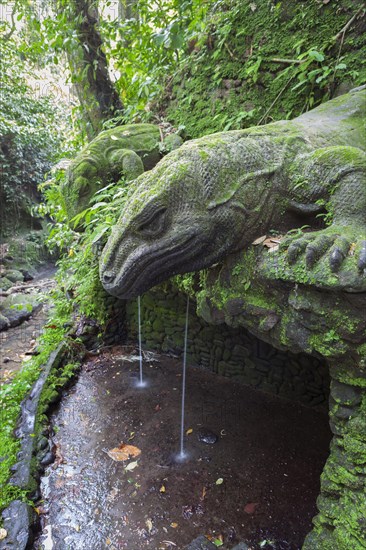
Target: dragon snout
<point>108,277</point>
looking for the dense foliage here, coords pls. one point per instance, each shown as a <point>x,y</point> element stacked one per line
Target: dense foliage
<point>29,139</point>
<point>206,66</point>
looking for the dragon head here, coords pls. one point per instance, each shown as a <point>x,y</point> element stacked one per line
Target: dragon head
<point>179,217</point>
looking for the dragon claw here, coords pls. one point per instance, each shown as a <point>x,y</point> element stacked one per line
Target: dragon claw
<point>336,248</point>
<point>295,249</point>
<point>338,253</point>
<point>316,249</point>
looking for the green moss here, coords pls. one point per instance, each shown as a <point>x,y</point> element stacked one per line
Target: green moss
<point>328,344</point>
<point>11,395</point>
<point>242,47</point>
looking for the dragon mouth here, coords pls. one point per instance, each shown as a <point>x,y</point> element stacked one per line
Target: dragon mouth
<point>148,266</point>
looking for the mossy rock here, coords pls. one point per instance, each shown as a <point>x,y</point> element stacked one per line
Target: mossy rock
<point>14,275</point>
<point>5,283</point>
<point>19,307</point>
<point>4,322</point>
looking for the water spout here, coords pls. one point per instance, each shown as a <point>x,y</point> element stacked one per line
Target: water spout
<point>141,383</point>
<point>182,455</point>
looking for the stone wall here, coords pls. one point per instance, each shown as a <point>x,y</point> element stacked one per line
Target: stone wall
<point>232,352</point>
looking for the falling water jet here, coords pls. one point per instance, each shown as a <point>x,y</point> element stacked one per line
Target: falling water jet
<point>141,382</point>
<point>182,454</point>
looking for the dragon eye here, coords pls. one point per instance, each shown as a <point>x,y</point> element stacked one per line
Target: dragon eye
<point>154,225</point>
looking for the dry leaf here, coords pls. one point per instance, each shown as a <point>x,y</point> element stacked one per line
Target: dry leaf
<point>259,240</point>
<point>174,525</point>
<point>123,452</point>
<point>189,431</point>
<point>270,243</point>
<point>131,466</point>
<point>162,489</point>
<point>219,481</point>
<point>3,534</point>
<point>203,493</point>
<point>108,541</point>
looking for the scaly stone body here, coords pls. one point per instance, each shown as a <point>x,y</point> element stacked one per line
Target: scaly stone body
<point>215,195</point>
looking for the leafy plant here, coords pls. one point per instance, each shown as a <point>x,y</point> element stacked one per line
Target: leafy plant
<point>78,270</point>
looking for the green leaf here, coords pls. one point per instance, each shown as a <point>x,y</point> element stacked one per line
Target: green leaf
<point>314,54</point>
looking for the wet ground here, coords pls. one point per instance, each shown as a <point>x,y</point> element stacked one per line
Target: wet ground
<point>17,343</point>
<point>258,483</point>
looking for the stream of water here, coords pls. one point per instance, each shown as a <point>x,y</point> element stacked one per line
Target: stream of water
<point>182,454</point>
<point>141,382</point>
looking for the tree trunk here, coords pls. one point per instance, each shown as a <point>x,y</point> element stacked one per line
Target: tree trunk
<point>89,67</point>
<point>127,9</point>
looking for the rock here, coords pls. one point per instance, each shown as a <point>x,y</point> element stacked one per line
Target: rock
<point>171,142</point>
<point>5,283</point>
<point>345,394</point>
<point>6,360</point>
<point>4,322</point>
<point>14,275</point>
<point>48,459</point>
<point>18,519</point>
<point>26,275</point>
<point>201,543</point>
<point>207,436</point>
<point>19,307</point>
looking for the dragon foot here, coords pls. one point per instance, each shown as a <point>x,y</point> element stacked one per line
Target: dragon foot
<point>334,245</point>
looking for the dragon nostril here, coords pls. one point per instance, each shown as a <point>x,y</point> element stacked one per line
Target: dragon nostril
<point>108,276</point>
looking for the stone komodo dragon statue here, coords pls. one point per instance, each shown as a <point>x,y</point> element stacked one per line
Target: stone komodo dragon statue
<point>215,195</point>
<point>122,151</point>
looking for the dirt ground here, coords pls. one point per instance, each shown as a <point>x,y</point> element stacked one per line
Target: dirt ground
<point>258,483</point>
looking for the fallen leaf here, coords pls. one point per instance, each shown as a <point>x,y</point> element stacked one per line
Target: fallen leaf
<point>218,541</point>
<point>259,240</point>
<point>108,542</point>
<point>203,493</point>
<point>271,243</point>
<point>3,534</point>
<point>250,507</point>
<point>131,466</point>
<point>162,489</point>
<point>189,431</point>
<point>174,525</point>
<point>158,408</point>
<point>326,1</point>
<point>123,452</point>
<point>114,138</point>
<point>219,481</point>
<point>149,525</point>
